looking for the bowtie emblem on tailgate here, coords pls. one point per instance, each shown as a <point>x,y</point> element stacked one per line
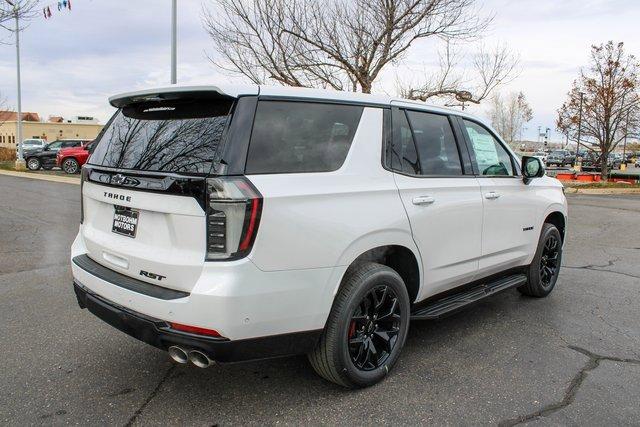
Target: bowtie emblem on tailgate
<point>120,179</point>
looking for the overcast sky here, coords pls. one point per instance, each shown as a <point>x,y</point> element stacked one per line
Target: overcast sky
<point>72,62</point>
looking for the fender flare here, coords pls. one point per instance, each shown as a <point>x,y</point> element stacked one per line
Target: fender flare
<point>554,207</point>
<point>367,242</point>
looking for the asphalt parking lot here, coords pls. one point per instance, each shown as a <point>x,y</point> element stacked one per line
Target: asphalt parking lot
<point>570,359</point>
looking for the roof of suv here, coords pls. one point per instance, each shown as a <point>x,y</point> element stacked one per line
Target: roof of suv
<point>234,91</point>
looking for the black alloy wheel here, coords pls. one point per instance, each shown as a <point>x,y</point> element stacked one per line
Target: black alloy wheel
<point>374,327</point>
<point>544,270</point>
<point>366,329</point>
<point>549,260</point>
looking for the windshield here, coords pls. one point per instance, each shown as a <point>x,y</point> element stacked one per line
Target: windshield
<point>31,142</point>
<point>177,136</point>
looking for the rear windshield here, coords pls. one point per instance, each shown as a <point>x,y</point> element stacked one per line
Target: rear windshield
<point>178,136</point>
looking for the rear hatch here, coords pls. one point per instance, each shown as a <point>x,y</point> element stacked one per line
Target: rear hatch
<point>145,185</point>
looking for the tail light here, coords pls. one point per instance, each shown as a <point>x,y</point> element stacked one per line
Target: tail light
<point>233,214</point>
<point>83,172</point>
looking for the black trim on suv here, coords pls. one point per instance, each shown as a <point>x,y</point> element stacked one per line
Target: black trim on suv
<point>153,182</point>
<point>90,266</point>
<point>157,333</point>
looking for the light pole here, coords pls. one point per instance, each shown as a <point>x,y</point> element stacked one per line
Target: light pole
<point>20,165</point>
<point>174,39</point>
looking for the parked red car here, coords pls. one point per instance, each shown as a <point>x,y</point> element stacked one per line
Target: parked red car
<point>71,159</point>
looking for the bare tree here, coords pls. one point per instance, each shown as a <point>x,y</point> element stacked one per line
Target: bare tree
<point>509,114</point>
<point>24,9</point>
<point>610,106</point>
<point>490,69</point>
<point>343,45</point>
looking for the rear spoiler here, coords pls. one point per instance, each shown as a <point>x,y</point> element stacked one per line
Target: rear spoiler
<point>177,92</point>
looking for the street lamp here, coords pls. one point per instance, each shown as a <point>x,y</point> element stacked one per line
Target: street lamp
<point>20,164</point>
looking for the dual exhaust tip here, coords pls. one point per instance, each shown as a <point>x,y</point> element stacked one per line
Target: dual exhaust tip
<point>198,358</point>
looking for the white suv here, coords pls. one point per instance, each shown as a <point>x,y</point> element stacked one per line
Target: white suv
<point>225,223</point>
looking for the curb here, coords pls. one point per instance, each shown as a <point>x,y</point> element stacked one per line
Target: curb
<point>42,177</point>
<point>596,191</point>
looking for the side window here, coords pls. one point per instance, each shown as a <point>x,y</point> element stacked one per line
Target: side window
<point>55,145</point>
<point>490,155</point>
<point>294,137</point>
<point>424,144</point>
<point>403,154</point>
<point>437,148</point>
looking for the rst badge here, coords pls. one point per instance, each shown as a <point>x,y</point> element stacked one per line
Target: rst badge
<point>152,275</point>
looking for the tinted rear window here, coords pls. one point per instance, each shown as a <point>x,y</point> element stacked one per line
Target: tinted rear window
<point>290,137</point>
<point>179,136</point>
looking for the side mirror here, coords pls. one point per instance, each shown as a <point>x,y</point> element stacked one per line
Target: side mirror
<point>532,167</point>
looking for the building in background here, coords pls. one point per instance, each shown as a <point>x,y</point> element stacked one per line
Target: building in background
<point>56,127</point>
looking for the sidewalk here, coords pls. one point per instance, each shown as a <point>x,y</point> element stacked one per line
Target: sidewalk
<point>72,179</point>
<point>594,191</point>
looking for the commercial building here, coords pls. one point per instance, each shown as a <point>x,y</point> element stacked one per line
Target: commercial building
<point>82,127</point>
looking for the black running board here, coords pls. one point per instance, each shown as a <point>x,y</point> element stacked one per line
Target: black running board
<point>450,304</point>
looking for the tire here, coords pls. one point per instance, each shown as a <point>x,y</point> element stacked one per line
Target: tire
<point>70,166</point>
<point>543,272</point>
<point>352,365</point>
<point>33,163</point>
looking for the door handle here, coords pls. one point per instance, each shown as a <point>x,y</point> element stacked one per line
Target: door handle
<point>491,195</point>
<point>423,200</point>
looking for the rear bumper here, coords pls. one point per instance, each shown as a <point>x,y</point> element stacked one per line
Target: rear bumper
<point>235,298</point>
<point>157,333</point>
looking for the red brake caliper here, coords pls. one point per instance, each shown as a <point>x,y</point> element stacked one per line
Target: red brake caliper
<point>352,329</point>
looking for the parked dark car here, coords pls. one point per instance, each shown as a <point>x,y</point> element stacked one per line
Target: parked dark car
<point>46,158</point>
<point>560,158</point>
<point>592,162</point>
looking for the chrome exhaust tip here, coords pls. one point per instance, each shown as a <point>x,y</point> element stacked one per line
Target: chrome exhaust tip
<point>178,354</point>
<point>200,359</point>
